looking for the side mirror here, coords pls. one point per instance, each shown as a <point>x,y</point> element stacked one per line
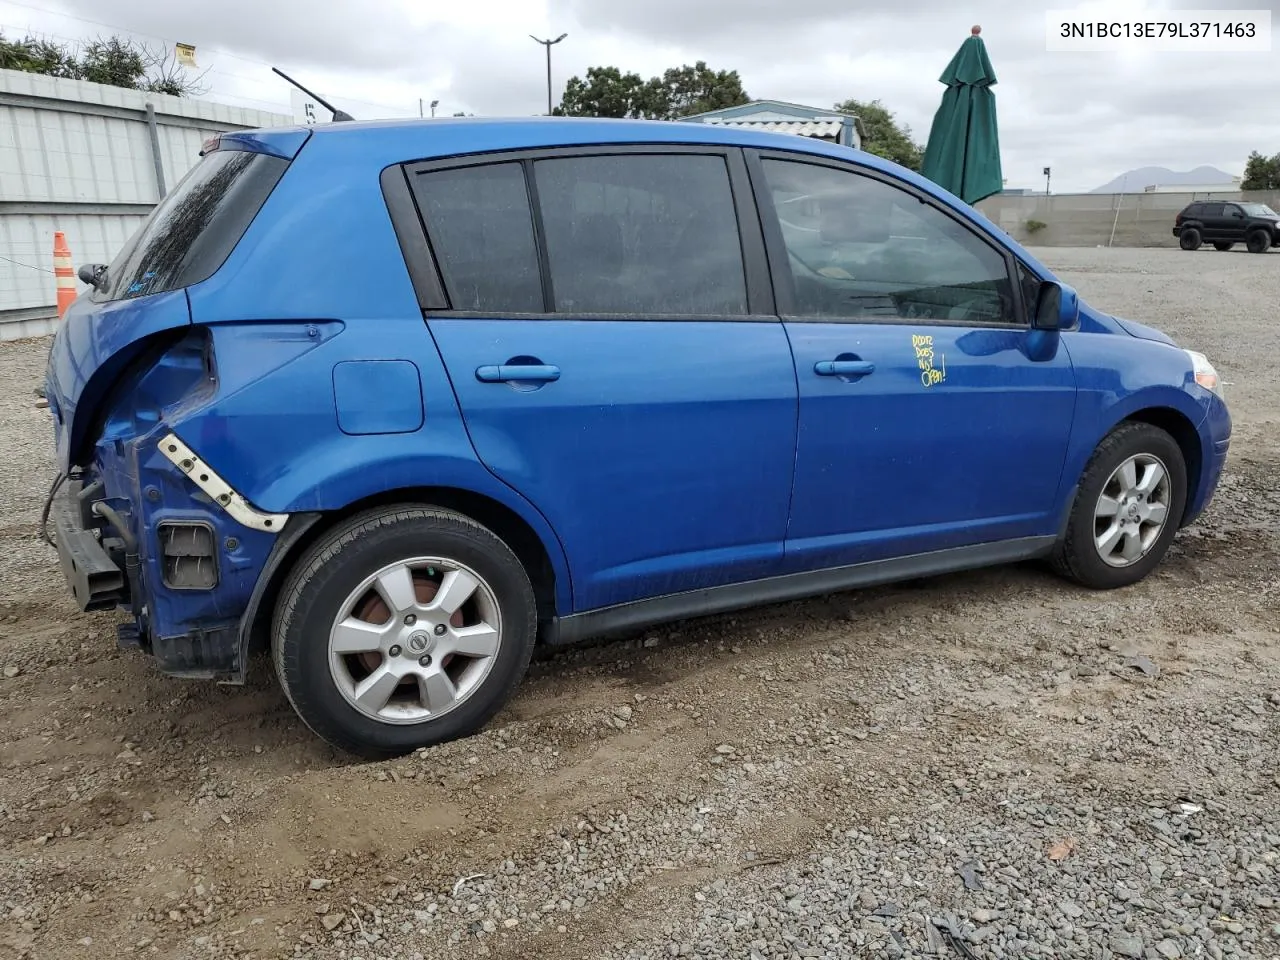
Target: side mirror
<point>1048,312</point>
<point>1057,308</point>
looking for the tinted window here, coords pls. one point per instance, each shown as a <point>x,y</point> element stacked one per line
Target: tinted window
<point>196,226</point>
<point>482,232</point>
<point>650,234</point>
<point>1192,212</point>
<point>862,249</point>
<point>1212,210</point>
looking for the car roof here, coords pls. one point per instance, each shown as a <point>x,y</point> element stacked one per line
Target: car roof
<point>425,139</point>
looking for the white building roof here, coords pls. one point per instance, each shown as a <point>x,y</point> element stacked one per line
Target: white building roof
<point>818,127</point>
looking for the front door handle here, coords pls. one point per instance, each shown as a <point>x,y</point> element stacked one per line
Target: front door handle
<point>506,372</point>
<point>843,368</point>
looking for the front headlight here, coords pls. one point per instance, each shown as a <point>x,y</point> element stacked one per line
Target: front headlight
<point>1204,372</point>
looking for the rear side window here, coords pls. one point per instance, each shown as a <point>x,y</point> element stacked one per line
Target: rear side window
<point>649,234</point>
<point>193,230</point>
<point>482,232</point>
<point>1211,210</point>
<point>1193,212</point>
<point>653,234</point>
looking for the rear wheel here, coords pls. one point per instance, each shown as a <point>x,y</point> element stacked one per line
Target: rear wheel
<point>1189,238</point>
<point>1223,245</point>
<point>1258,241</point>
<point>402,628</point>
<point>1126,510</point>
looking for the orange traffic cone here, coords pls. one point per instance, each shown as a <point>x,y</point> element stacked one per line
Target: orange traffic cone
<point>64,271</point>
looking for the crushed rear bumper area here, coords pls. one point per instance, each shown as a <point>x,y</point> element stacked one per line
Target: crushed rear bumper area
<point>96,580</point>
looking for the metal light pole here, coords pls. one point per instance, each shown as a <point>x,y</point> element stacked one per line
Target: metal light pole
<point>1046,181</point>
<point>548,44</point>
<point>434,104</point>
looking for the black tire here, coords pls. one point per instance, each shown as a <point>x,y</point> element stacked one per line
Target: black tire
<point>1258,241</point>
<point>1189,238</point>
<point>335,566</point>
<point>1076,556</point>
<point>1223,245</point>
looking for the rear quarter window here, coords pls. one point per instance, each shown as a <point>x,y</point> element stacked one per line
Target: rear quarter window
<point>193,230</point>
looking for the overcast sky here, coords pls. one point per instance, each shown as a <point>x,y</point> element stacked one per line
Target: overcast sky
<point>1090,116</point>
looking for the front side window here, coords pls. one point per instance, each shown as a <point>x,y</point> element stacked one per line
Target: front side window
<point>1030,284</point>
<point>861,249</point>
<point>653,234</point>
<point>481,229</point>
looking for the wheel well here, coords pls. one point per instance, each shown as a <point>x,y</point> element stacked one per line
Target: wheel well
<point>502,520</point>
<point>1184,434</point>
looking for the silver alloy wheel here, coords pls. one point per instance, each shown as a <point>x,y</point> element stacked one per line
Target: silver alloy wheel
<point>414,640</point>
<point>1132,510</point>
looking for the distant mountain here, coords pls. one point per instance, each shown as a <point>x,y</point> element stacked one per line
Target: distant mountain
<point>1136,180</point>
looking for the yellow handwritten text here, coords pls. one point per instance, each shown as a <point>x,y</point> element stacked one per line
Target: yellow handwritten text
<point>930,373</point>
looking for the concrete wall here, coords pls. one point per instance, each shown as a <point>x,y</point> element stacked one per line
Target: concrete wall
<point>1087,219</point>
<point>79,157</point>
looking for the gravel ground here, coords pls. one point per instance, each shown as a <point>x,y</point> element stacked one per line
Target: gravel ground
<point>993,762</point>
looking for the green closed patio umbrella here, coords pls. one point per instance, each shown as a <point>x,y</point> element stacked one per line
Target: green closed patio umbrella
<point>963,153</point>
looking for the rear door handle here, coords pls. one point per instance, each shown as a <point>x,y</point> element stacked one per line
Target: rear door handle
<point>502,373</point>
<point>843,368</point>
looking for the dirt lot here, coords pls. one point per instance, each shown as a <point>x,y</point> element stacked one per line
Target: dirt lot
<point>817,779</point>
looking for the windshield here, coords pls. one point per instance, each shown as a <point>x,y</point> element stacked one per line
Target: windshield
<point>197,224</point>
<point>1257,210</point>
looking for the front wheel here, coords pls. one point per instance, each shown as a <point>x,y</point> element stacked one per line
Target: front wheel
<point>1259,241</point>
<point>403,628</point>
<point>1127,509</point>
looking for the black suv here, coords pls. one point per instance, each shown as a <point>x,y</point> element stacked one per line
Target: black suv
<point>1226,224</point>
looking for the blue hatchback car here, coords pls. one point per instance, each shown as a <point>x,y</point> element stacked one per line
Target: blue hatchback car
<point>399,400</point>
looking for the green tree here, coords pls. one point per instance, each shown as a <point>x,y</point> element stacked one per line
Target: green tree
<point>1261,173</point>
<point>685,91</point>
<point>679,92</point>
<point>32,55</point>
<point>115,61</point>
<point>606,92</point>
<point>882,134</point>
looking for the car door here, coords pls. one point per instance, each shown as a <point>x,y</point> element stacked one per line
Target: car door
<point>611,341</point>
<point>1216,225</point>
<point>931,416</point>
<point>1233,222</point>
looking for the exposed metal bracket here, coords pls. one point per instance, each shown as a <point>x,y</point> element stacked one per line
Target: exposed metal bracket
<point>204,477</point>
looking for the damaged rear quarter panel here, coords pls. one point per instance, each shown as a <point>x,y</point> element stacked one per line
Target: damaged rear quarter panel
<point>273,432</point>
